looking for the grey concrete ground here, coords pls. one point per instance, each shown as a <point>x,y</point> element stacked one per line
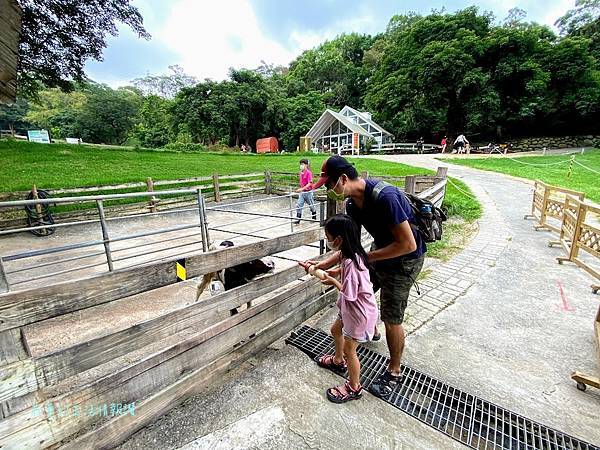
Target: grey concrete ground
<point>491,321</point>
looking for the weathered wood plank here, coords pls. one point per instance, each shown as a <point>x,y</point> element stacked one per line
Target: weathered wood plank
<point>78,358</point>
<point>32,305</point>
<point>156,371</point>
<point>433,189</point>
<point>12,347</point>
<point>119,429</point>
<point>17,379</point>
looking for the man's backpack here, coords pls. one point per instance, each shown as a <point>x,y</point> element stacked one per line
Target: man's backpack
<point>428,218</point>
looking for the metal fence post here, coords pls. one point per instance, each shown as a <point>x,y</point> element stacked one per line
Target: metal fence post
<point>202,218</point>
<point>105,236</point>
<point>4,286</point>
<point>322,223</point>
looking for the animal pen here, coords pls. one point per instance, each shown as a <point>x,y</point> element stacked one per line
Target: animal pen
<point>100,331</point>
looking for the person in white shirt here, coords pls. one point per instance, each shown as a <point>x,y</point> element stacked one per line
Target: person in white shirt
<point>460,143</point>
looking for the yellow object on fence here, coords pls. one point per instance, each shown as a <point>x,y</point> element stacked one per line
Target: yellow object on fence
<point>549,202</point>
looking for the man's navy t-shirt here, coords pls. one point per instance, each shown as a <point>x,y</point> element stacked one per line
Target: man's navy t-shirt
<point>391,208</point>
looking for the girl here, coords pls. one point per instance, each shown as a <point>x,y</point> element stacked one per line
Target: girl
<point>306,193</point>
<point>356,302</point>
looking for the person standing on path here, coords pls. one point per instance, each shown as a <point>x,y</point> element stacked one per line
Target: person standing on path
<point>420,143</point>
<point>444,144</point>
<point>460,143</point>
<point>397,253</point>
<point>306,194</point>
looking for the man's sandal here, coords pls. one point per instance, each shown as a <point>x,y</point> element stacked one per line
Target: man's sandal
<point>385,384</point>
<point>328,361</point>
<point>344,393</point>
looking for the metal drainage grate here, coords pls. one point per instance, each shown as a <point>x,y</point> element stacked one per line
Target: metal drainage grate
<point>464,417</point>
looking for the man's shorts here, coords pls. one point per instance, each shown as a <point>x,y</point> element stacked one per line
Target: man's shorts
<point>395,282</point>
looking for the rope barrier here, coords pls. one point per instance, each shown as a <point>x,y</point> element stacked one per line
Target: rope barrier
<point>460,190</point>
<point>586,167</point>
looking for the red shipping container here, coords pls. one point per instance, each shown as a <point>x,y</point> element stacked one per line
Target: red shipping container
<point>267,145</point>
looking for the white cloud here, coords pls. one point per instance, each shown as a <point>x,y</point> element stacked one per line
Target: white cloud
<point>209,37</point>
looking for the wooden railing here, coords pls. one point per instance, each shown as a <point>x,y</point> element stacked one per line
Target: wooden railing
<point>204,340</point>
<point>548,202</point>
<point>155,382</point>
<point>404,147</point>
<point>580,233</point>
<point>286,182</point>
<point>215,188</point>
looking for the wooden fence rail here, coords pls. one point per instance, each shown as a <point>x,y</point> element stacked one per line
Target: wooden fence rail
<point>549,202</point>
<point>580,232</point>
<point>221,188</point>
<point>192,345</point>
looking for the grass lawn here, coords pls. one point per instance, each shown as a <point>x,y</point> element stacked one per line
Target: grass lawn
<point>63,165</point>
<point>581,179</point>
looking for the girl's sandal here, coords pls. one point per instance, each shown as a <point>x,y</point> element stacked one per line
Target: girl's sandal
<point>328,361</point>
<point>344,393</point>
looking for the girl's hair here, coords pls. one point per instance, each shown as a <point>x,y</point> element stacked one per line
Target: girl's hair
<point>304,161</point>
<point>343,225</point>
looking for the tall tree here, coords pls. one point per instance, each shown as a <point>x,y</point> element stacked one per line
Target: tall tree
<point>59,36</point>
<point>154,126</point>
<point>13,117</point>
<point>429,76</point>
<point>334,69</point>
<point>108,115</point>
<point>165,86</point>
<point>583,21</point>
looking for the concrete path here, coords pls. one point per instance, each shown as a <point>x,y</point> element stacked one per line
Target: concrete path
<point>492,322</point>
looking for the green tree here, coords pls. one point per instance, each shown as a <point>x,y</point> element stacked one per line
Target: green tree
<point>58,111</point>
<point>301,112</point>
<point>583,21</point>
<point>334,69</point>
<point>59,36</point>
<point>430,76</point>
<point>154,126</point>
<point>166,86</point>
<point>108,115</point>
<point>13,117</point>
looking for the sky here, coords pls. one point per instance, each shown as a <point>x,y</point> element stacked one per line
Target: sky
<point>207,37</point>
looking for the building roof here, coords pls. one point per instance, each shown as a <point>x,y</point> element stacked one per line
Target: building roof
<point>367,118</point>
<point>329,116</point>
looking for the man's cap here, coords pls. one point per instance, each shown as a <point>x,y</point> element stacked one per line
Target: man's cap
<point>332,168</point>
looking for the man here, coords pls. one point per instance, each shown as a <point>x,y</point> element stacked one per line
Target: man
<point>420,143</point>
<point>460,143</point>
<point>396,256</point>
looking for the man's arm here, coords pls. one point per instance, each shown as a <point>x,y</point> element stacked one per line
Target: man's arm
<point>404,243</point>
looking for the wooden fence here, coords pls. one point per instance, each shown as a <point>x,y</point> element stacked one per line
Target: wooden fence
<point>31,410</point>
<point>286,182</point>
<point>580,232</point>
<point>548,202</point>
<point>215,188</point>
<point>39,410</point>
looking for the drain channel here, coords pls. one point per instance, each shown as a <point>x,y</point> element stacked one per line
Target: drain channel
<point>464,417</point>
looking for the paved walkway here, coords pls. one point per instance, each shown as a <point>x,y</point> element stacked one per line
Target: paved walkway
<point>501,320</point>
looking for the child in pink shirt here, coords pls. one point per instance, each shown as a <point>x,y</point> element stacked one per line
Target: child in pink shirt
<point>356,302</point>
<point>306,193</point>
